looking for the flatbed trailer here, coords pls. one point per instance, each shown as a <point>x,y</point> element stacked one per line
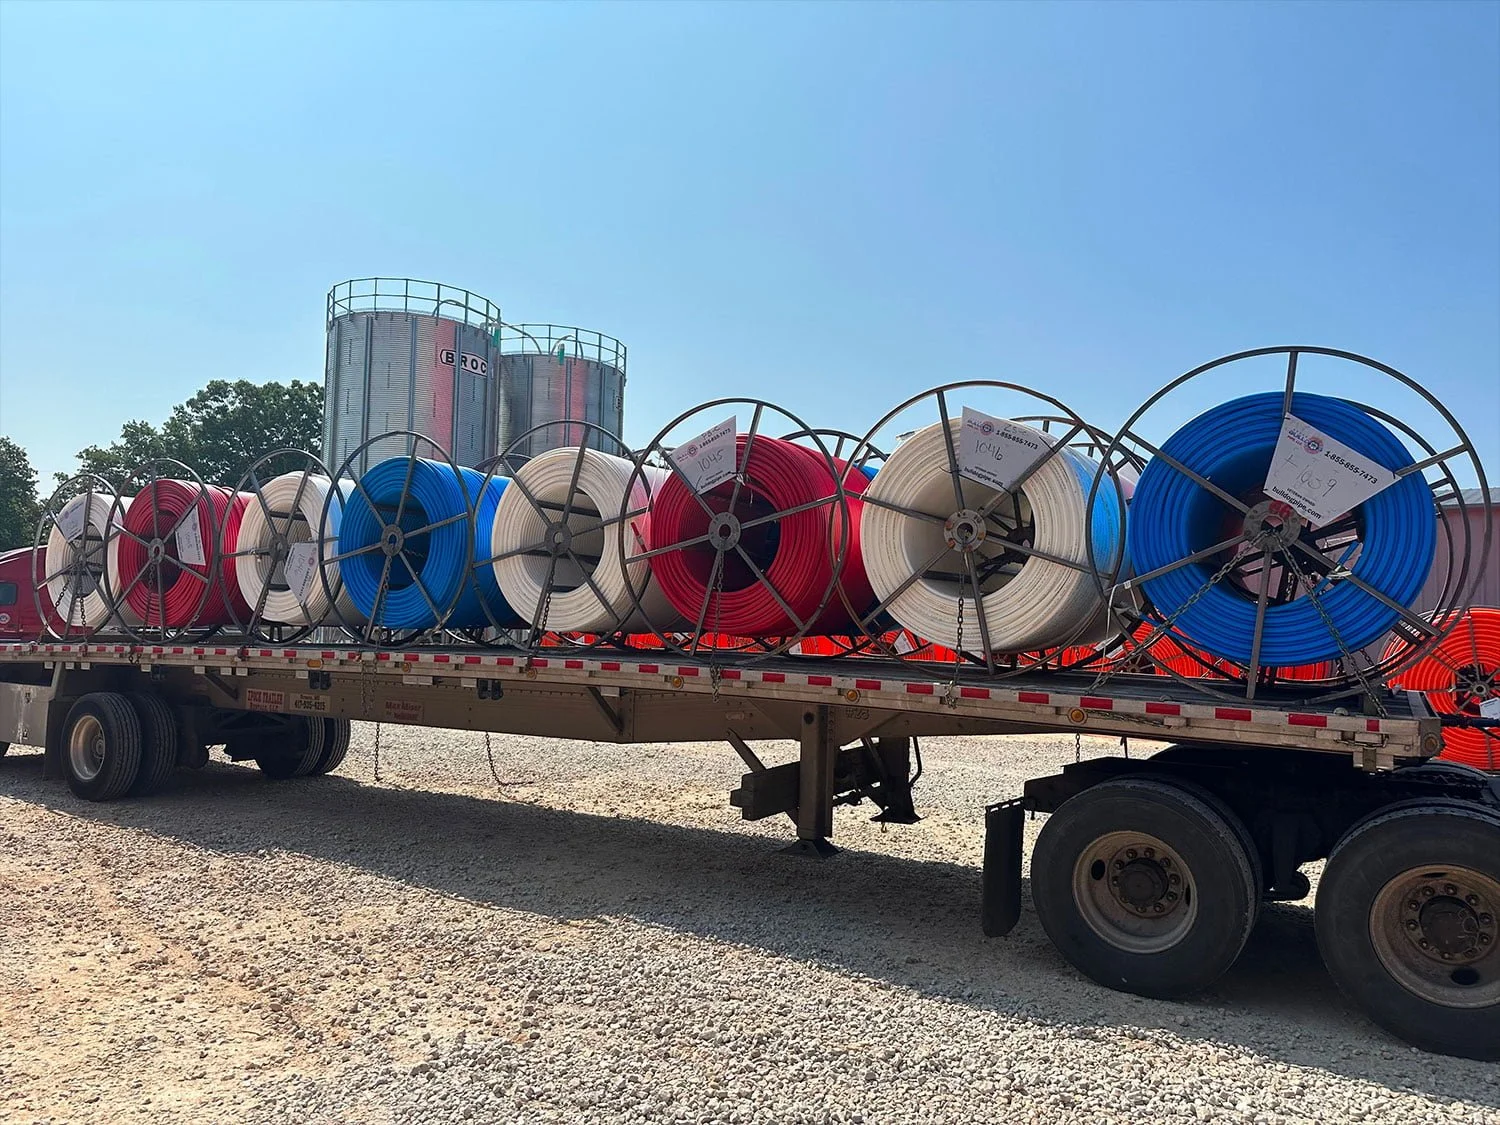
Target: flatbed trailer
<point>1148,875</point>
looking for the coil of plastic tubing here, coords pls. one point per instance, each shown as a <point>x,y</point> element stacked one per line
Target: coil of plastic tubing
<point>432,549</point>
<point>76,558</point>
<point>1172,516</point>
<point>1461,676</point>
<point>794,549</point>
<point>1029,602</point>
<point>294,593</point>
<point>590,591</point>
<point>170,593</point>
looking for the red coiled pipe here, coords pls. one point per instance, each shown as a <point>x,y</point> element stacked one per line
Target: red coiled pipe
<point>795,552</point>
<point>1457,677</point>
<point>183,600</point>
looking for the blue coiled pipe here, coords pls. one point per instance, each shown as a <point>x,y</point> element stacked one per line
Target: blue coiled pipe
<point>441,557</point>
<point>1173,516</point>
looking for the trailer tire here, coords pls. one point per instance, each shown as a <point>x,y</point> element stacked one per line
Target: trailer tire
<point>294,754</point>
<point>1387,955</point>
<point>336,735</point>
<point>4,746</point>
<point>158,743</point>
<point>102,746</point>
<point>1144,886</point>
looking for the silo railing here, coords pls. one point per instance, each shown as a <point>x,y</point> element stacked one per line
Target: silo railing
<point>409,295</point>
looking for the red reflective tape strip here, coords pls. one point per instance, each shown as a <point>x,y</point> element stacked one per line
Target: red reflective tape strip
<point>382,656</point>
<point>919,689</point>
<point>329,655</point>
<point>199,652</point>
<point>730,674</point>
<point>1163,708</point>
<point>1307,720</point>
<point>609,665</point>
<point>1033,697</point>
<point>442,658</point>
<point>820,681</point>
<point>471,660</point>
<point>572,663</point>
<point>773,677</point>
<point>974,692</point>
<point>412,657</point>
<point>541,663</point>
<point>505,661</point>
<point>867,685</point>
<point>1234,714</point>
<point>289,654</point>
<point>646,668</point>
<point>1372,725</point>
<point>1097,703</point>
<point>687,671</point>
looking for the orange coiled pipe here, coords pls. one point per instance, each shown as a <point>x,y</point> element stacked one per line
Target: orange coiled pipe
<point>166,589</point>
<point>795,551</point>
<point>1458,677</point>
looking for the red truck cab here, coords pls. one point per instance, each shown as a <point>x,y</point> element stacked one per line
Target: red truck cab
<point>19,618</point>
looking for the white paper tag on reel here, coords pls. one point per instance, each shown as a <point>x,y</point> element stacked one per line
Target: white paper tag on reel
<point>995,451</point>
<point>1321,478</point>
<point>1490,708</point>
<point>190,542</point>
<point>71,519</point>
<point>708,459</point>
<point>301,568</point>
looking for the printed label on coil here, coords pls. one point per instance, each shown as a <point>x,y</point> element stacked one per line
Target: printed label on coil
<point>708,459</point>
<point>997,452</point>
<point>71,519</point>
<point>301,568</point>
<point>1490,708</point>
<point>1319,477</point>
<point>190,541</point>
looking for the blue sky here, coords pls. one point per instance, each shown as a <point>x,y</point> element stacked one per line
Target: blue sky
<point>832,206</point>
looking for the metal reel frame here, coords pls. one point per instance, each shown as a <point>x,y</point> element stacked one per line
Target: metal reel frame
<point>878,621</point>
<point>158,554</point>
<point>392,542</point>
<point>256,626</point>
<point>726,529</point>
<point>88,557</point>
<point>1273,540</point>
<point>558,536</point>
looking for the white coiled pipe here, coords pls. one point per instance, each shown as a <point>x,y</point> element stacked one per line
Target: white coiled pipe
<point>519,535</point>
<point>1034,605</point>
<point>76,548</point>
<point>306,603</point>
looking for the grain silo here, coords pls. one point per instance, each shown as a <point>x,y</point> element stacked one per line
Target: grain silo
<point>551,373</point>
<point>410,355</point>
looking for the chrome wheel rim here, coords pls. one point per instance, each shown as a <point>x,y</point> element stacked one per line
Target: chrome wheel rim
<point>86,748</point>
<point>1135,892</point>
<point>1436,930</point>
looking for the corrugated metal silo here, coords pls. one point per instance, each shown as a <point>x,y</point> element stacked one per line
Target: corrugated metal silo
<point>552,373</point>
<point>410,355</point>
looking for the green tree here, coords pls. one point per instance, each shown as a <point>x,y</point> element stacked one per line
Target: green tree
<point>220,432</point>
<point>18,504</point>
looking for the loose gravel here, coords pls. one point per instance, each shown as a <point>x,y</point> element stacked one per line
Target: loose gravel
<point>598,939</point>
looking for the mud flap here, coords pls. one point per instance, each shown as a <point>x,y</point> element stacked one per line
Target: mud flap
<point>1000,905</point>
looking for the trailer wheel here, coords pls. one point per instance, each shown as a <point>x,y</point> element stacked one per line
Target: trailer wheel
<point>103,740</point>
<point>336,734</point>
<point>4,746</point>
<point>1408,922</point>
<point>158,743</point>
<point>294,754</point>
<point>1144,887</point>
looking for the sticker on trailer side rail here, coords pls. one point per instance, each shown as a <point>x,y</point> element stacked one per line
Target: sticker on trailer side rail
<point>404,710</point>
<point>310,704</point>
<point>264,699</point>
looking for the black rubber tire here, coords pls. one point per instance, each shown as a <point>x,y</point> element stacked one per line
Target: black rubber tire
<point>336,734</point>
<point>120,732</point>
<point>1222,874</point>
<point>158,743</point>
<point>4,746</point>
<point>294,754</point>
<point>1362,863</point>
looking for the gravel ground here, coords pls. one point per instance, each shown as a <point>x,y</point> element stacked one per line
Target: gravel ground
<point>601,940</point>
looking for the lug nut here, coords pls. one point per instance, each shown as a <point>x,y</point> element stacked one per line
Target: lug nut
<point>1486,919</point>
<point>1158,908</point>
<point>1130,853</point>
<point>1449,889</point>
<point>1447,956</point>
<point>1411,923</point>
<point>1166,861</point>
<point>1427,892</point>
<point>1472,900</point>
<point>1171,896</point>
<point>1114,880</point>
<point>1414,905</point>
<point>1484,939</point>
<point>1150,853</point>
<point>1424,944</point>
<point>1119,865</point>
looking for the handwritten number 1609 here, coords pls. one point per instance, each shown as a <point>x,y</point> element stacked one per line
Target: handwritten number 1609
<point>1314,481</point>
